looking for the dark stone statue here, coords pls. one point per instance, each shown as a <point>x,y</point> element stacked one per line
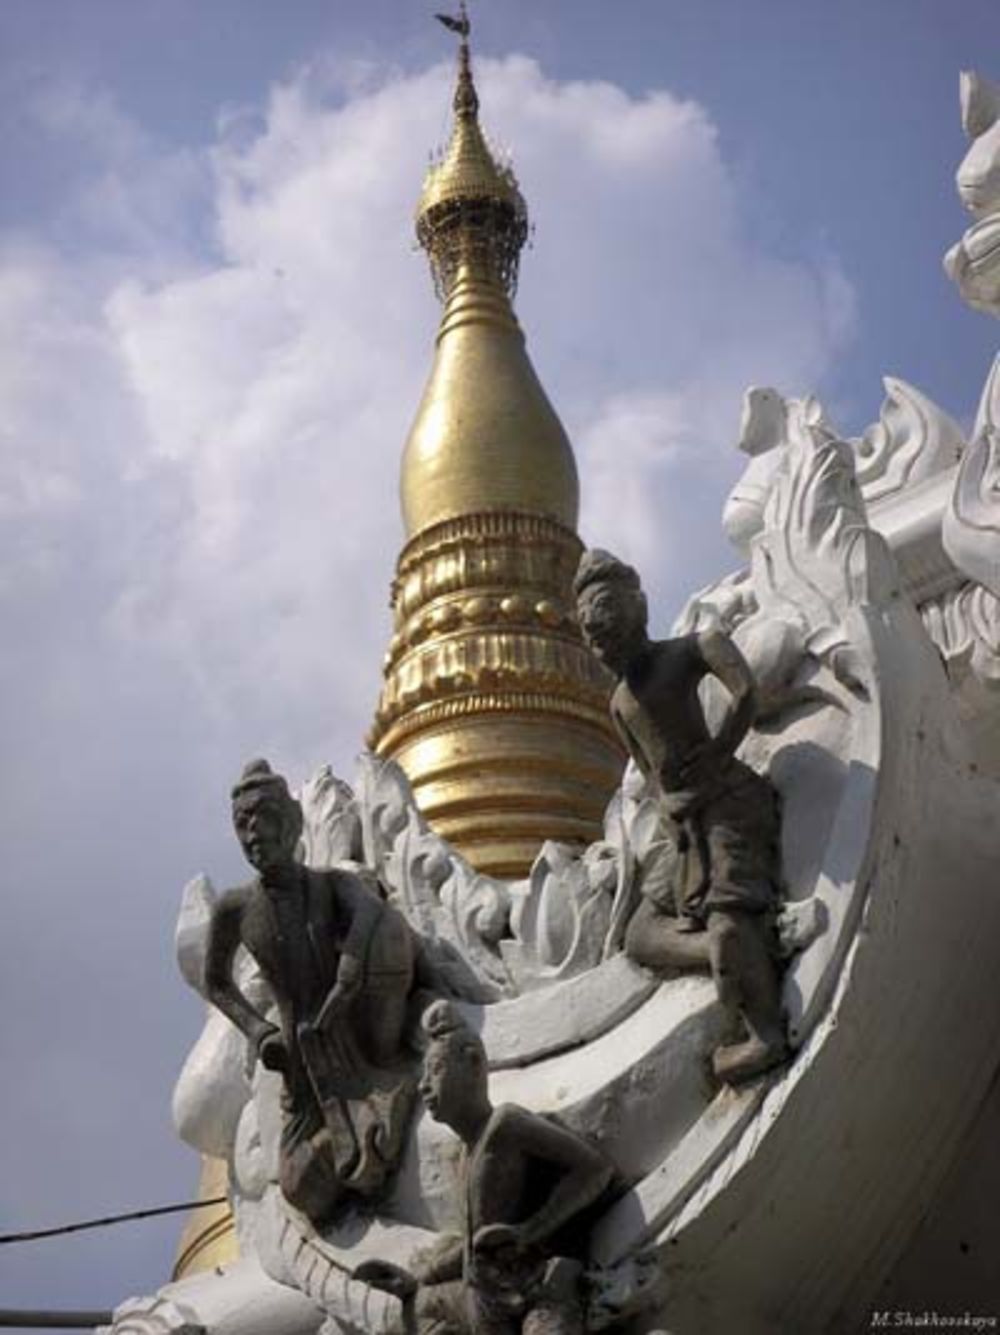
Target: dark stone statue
<point>340,963</point>
<point>708,894</point>
<point>527,1183</point>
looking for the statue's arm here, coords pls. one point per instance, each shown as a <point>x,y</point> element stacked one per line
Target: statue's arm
<point>631,745</point>
<point>436,1264</point>
<point>585,1174</point>
<point>224,936</point>
<point>365,912</point>
<point>724,660</point>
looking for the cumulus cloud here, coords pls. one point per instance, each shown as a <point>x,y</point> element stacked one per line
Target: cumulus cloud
<point>123,190</point>
<point>206,406</point>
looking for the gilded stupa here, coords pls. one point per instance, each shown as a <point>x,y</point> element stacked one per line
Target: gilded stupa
<point>491,703</point>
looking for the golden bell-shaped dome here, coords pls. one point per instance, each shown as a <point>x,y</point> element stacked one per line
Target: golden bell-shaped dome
<point>486,436</point>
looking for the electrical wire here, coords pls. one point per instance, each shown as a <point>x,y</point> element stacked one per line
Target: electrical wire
<point>22,1320</point>
<point>35,1234</point>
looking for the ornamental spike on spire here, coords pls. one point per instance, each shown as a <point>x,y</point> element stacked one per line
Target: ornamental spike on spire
<point>471,211</point>
<point>465,101</point>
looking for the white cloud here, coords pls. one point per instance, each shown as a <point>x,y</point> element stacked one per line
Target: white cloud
<point>123,190</point>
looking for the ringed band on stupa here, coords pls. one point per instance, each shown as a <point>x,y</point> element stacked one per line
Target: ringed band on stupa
<point>491,704</point>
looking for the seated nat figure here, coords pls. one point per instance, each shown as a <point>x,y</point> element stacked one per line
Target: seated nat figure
<point>340,964</point>
<point>708,896</point>
<point>526,1183</point>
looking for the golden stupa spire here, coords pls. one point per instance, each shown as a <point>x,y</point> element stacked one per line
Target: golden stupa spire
<point>491,703</point>
<point>485,436</point>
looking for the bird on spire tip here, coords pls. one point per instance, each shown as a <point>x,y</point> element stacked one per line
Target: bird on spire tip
<point>460,25</point>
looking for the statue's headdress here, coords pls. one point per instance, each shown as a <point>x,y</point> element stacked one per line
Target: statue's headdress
<point>445,1028</point>
<point>259,780</point>
<point>600,567</point>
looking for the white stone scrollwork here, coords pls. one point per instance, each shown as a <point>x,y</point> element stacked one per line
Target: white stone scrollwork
<point>764,429</point>
<point>485,938</point>
<point>964,622</point>
<point>235,1299</point>
<point>561,916</point>
<point>331,830</point>
<point>323,1273</point>
<point>971,527</point>
<point>912,440</point>
<point>799,514</point>
<point>965,626</point>
<point>153,1316</point>
<point>213,1089</point>
<point>460,913</point>
<point>974,262</point>
<point>816,555</point>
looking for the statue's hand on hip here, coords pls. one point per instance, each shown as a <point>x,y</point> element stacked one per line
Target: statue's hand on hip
<point>498,1238</point>
<point>271,1051</point>
<point>350,977</point>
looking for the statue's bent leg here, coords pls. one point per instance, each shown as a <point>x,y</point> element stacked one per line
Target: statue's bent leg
<point>485,1319</point>
<point>389,975</point>
<point>554,1319</point>
<point>746,977</point>
<point>658,940</point>
<point>441,1309</point>
<point>556,1308</point>
<point>385,1014</point>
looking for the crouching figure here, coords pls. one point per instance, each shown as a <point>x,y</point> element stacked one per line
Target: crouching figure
<point>340,963</point>
<point>527,1184</point>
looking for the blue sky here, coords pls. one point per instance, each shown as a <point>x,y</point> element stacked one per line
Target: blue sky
<point>213,334</point>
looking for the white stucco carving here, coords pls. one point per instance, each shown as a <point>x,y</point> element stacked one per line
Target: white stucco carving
<point>972,520</point>
<point>965,626</point>
<point>237,1299</point>
<point>913,439</point>
<point>153,1316</point>
<point>974,262</point>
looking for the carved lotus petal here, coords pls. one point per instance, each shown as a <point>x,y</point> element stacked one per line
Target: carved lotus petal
<point>971,528</point>
<point>913,439</point>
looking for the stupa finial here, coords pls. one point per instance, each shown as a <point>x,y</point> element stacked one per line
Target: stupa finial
<point>471,211</point>
<point>466,100</point>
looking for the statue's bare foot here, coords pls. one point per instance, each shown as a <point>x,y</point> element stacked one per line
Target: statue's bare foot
<point>736,1062</point>
<point>388,1277</point>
